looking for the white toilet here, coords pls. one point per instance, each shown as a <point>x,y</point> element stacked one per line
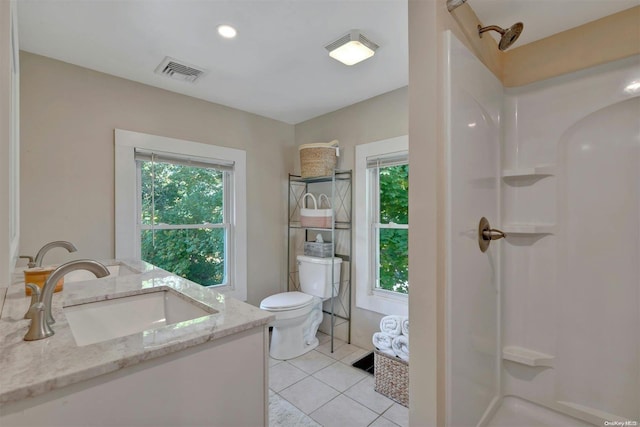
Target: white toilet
<point>298,314</point>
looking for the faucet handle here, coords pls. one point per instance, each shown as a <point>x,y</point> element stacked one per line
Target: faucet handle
<point>35,298</point>
<point>31,263</point>
<point>39,329</point>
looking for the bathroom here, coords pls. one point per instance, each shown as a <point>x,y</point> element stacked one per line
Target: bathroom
<point>89,105</point>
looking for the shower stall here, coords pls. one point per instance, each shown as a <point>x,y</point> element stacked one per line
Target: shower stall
<point>544,327</point>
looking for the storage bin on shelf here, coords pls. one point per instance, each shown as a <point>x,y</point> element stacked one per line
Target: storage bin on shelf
<point>318,159</point>
<point>316,217</point>
<point>318,249</point>
<point>391,377</point>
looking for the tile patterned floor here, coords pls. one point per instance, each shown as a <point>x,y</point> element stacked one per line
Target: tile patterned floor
<point>321,388</point>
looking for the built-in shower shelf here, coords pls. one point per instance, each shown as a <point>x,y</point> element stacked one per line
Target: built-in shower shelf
<point>526,356</point>
<point>535,171</point>
<point>528,228</point>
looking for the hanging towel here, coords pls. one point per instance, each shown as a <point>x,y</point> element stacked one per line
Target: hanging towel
<point>405,326</point>
<point>382,342</point>
<point>400,346</point>
<point>391,325</point>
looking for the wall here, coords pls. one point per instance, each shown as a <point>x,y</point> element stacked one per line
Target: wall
<point>562,287</point>
<point>68,117</point>
<point>384,116</point>
<point>428,20</point>
<point>5,138</point>
<point>604,40</point>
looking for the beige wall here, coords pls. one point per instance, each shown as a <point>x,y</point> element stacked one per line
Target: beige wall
<point>5,138</point>
<point>384,116</point>
<point>604,40</point>
<point>68,117</point>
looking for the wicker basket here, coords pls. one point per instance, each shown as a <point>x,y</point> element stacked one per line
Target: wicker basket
<point>391,377</point>
<point>318,159</point>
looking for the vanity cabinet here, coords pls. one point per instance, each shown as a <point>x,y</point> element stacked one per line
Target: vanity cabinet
<point>218,383</point>
<point>208,370</point>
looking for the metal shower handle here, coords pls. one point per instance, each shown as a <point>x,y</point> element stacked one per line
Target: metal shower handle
<point>486,234</point>
<point>493,234</point>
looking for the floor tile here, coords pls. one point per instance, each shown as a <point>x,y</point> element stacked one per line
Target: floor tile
<point>311,362</point>
<point>355,356</point>
<point>398,414</point>
<point>273,362</point>
<point>339,376</point>
<point>363,392</point>
<point>383,422</point>
<point>342,412</point>
<point>283,375</point>
<point>325,348</point>
<point>284,414</point>
<point>309,394</point>
<point>322,337</point>
<point>341,352</point>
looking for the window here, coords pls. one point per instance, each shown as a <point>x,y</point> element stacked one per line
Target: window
<point>382,226</point>
<point>183,216</point>
<point>180,206</point>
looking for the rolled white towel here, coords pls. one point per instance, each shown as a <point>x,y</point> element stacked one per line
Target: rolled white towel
<point>404,326</point>
<point>391,325</point>
<point>400,346</point>
<point>383,342</point>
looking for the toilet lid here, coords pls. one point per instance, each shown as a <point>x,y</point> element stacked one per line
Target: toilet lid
<point>286,301</point>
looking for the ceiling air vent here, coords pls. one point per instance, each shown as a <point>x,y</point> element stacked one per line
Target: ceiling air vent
<point>179,70</point>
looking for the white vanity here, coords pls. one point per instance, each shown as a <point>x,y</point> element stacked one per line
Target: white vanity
<point>165,352</point>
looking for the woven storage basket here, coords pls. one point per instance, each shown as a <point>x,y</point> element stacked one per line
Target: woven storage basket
<point>318,159</point>
<point>391,377</point>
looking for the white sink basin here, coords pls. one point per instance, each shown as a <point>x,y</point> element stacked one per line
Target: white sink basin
<point>114,270</point>
<point>105,320</point>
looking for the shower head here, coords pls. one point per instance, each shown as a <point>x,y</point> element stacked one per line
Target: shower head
<point>509,36</point>
<point>452,4</point>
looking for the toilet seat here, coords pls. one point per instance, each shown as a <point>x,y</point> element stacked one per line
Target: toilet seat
<point>286,301</point>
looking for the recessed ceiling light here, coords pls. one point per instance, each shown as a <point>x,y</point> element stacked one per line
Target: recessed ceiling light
<point>227,31</point>
<point>352,48</point>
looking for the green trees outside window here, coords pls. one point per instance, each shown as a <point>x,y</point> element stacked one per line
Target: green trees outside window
<point>182,216</point>
<point>393,255</point>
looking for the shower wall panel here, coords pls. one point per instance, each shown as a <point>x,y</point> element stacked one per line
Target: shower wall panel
<point>474,97</point>
<point>571,266</point>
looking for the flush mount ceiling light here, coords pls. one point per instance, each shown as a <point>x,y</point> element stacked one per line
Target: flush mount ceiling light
<point>227,31</point>
<point>352,48</point>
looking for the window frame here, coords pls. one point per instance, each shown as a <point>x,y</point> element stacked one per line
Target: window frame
<point>128,225</point>
<point>227,202</point>
<point>368,296</point>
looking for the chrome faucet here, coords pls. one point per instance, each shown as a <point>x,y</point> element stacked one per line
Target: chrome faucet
<point>46,248</point>
<point>40,312</point>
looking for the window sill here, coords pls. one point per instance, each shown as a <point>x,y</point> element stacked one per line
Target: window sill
<point>382,302</point>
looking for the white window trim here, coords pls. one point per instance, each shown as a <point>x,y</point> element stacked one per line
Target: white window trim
<point>127,236</point>
<point>367,297</point>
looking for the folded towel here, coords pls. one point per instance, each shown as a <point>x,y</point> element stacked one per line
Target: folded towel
<point>400,346</point>
<point>391,325</point>
<point>382,342</point>
<point>404,325</point>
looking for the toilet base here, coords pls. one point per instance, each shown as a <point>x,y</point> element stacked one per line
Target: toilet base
<point>284,352</point>
<point>292,338</point>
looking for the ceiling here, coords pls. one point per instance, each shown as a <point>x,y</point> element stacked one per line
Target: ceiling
<point>277,65</point>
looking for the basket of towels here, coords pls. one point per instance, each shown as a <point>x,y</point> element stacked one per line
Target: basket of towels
<point>391,359</point>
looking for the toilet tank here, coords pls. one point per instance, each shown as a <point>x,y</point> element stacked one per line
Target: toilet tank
<point>315,275</point>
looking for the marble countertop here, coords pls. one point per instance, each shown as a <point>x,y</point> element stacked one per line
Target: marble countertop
<point>31,368</point>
